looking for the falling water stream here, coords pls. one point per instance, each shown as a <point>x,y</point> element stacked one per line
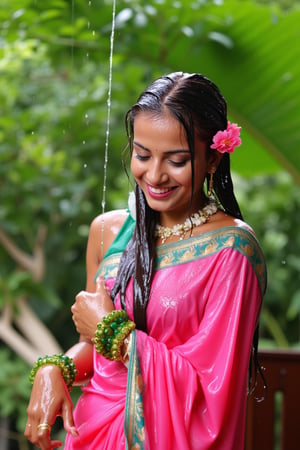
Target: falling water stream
<point>108,120</point>
<point>107,133</point>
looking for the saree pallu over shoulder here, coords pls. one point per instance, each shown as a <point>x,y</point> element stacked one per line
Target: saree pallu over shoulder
<point>201,246</point>
<point>109,266</point>
<point>205,300</point>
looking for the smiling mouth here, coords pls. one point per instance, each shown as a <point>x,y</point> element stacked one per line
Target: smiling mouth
<point>160,193</point>
<point>159,190</point>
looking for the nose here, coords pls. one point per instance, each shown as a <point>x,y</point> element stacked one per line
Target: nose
<point>156,173</point>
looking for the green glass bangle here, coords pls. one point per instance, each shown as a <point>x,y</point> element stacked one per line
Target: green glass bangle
<point>111,333</point>
<point>64,362</point>
<point>107,329</point>
<point>118,341</point>
<point>116,315</point>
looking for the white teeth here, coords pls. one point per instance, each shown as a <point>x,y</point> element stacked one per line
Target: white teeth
<point>158,191</point>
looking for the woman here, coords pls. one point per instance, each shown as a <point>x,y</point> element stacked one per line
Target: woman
<point>190,275</point>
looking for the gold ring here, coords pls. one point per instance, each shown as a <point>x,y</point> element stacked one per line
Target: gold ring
<point>44,426</point>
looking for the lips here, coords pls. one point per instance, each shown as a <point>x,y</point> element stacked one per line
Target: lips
<point>160,192</point>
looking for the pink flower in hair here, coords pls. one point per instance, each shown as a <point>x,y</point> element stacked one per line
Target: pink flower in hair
<point>226,141</point>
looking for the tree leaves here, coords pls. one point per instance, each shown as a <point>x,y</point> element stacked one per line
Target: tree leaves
<point>54,69</point>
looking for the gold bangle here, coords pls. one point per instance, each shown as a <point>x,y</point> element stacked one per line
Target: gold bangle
<point>44,426</point>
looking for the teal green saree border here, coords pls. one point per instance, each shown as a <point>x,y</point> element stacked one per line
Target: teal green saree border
<point>199,247</point>
<point>134,413</point>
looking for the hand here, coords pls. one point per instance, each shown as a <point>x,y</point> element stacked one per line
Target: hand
<point>90,308</point>
<point>49,398</point>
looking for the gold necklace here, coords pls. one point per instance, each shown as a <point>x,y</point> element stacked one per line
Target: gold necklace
<point>181,229</point>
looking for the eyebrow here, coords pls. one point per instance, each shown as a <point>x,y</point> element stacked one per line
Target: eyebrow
<point>179,150</point>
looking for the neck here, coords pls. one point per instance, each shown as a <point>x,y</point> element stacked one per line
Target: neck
<point>171,218</point>
<point>181,230</point>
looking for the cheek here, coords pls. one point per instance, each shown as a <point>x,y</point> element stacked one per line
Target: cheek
<point>183,176</point>
<point>135,168</point>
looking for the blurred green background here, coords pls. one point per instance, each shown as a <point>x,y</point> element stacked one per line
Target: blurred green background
<point>54,73</point>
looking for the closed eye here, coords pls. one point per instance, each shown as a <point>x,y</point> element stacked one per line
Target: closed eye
<point>140,157</point>
<point>178,163</point>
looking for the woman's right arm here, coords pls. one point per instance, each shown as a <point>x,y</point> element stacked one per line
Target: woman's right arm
<point>50,396</point>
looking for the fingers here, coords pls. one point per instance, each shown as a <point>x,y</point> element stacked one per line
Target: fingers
<point>28,430</point>
<point>67,416</point>
<point>90,308</point>
<point>48,396</point>
<point>43,438</point>
<point>39,435</point>
<point>78,298</point>
<point>100,284</point>
<point>101,287</point>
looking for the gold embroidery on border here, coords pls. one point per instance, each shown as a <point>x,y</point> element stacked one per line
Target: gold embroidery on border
<point>210,249</point>
<point>168,259</point>
<point>109,266</point>
<point>198,247</point>
<point>248,250</point>
<point>210,243</point>
<point>188,255</point>
<point>229,242</point>
<point>134,413</point>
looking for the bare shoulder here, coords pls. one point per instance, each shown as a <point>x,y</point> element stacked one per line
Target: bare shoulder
<point>109,223</point>
<point>110,220</point>
<point>105,227</point>
<point>103,230</point>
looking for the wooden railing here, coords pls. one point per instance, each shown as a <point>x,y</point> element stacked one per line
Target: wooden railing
<point>274,423</point>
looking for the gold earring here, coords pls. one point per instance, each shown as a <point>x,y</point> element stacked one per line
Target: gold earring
<point>210,185</point>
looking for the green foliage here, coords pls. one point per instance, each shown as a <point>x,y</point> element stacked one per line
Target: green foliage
<point>18,284</point>
<point>272,207</point>
<point>286,5</point>
<point>54,70</point>
<point>14,386</point>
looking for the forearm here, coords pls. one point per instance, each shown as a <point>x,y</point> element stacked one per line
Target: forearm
<point>82,354</point>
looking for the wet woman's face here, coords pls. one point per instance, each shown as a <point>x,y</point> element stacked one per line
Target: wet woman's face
<point>161,165</point>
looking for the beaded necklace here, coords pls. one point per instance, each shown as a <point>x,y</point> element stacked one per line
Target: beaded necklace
<point>181,229</point>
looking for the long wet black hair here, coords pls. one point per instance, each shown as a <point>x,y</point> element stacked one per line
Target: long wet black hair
<point>198,105</point>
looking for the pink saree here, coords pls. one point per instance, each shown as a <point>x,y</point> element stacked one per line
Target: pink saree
<point>186,384</point>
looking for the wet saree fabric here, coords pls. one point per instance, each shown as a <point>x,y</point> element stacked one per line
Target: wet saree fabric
<point>186,384</point>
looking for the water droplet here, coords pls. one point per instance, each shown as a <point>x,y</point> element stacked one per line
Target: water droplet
<point>83,142</point>
<point>85,166</point>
